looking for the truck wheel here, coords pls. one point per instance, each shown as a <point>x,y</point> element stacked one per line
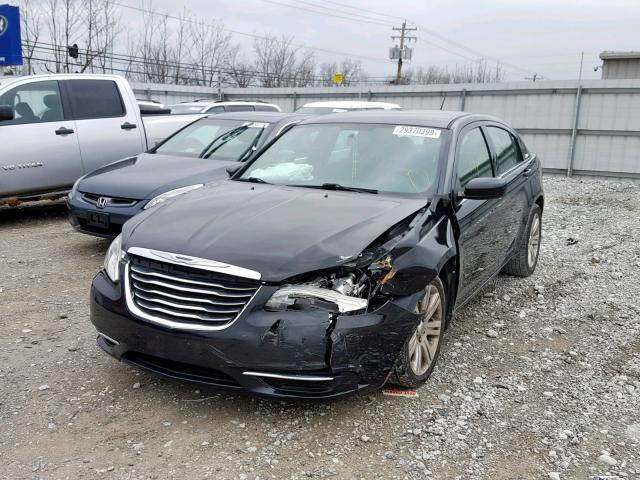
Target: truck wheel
<point>525,259</point>
<point>418,356</point>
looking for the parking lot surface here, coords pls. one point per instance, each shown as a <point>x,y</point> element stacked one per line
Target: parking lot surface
<point>538,378</point>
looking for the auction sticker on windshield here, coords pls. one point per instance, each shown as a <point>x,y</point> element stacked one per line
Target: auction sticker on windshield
<point>258,125</point>
<point>407,131</point>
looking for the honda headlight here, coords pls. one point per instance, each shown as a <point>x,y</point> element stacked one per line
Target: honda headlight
<point>112,259</point>
<point>170,194</point>
<point>295,297</point>
<point>74,189</point>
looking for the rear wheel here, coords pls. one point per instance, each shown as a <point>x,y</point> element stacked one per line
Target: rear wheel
<point>525,259</point>
<point>418,356</point>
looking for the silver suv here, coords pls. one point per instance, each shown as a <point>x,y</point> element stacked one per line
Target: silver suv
<point>207,106</point>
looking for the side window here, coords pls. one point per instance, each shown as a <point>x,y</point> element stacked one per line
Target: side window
<point>217,109</point>
<point>265,108</point>
<point>239,108</point>
<point>35,102</point>
<point>507,153</point>
<point>95,99</point>
<point>473,157</point>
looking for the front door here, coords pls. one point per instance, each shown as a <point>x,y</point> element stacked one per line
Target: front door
<point>39,149</point>
<point>106,130</point>
<point>479,221</point>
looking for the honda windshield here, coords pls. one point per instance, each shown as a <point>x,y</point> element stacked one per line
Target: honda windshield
<point>355,157</point>
<point>215,139</point>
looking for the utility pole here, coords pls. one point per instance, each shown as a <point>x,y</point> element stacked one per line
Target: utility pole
<point>403,36</point>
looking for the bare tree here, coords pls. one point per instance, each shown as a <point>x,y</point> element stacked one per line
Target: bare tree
<point>279,63</point>
<point>101,28</point>
<point>210,50</point>
<point>350,69</point>
<point>468,73</point>
<point>63,19</point>
<point>31,19</point>
<point>240,72</point>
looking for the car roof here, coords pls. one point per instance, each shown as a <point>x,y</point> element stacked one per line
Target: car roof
<point>249,116</point>
<point>426,118</point>
<point>206,104</point>
<point>351,104</point>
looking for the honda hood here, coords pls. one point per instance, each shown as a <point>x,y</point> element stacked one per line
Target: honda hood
<point>277,231</point>
<point>148,174</point>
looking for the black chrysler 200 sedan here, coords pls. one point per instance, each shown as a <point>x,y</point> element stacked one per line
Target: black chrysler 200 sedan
<point>102,201</point>
<point>330,263</point>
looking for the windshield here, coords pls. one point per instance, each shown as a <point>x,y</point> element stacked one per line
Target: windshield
<point>215,139</point>
<point>180,109</point>
<point>388,158</point>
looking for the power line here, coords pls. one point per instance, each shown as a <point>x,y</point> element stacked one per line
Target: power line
<point>395,17</point>
<point>349,17</point>
<point>237,32</point>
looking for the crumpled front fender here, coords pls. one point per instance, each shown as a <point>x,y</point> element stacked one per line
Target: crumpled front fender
<point>369,344</point>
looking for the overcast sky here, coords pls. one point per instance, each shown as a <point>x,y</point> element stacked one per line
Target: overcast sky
<point>541,36</point>
<point>529,36</point>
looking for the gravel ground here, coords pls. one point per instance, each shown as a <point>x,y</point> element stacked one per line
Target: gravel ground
<point>538,378</point>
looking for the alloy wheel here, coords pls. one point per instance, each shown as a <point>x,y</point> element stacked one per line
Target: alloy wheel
<point>423,345</point>
<point>534,241</point>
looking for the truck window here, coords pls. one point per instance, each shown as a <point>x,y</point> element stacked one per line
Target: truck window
<point>95,99</point>
<point>35,102</point>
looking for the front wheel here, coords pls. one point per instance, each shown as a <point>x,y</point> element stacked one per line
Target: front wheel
<point>418,356</point>
<point>525,258</point>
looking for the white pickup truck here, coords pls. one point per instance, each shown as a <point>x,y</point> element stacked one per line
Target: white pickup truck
<point>56,128</point>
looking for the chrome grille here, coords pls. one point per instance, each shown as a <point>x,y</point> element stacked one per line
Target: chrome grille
<point>185,297</point>
<point>92,198</point>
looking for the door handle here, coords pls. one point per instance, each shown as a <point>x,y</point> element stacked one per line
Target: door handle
<point>64,131</point>
<point>128,126</point>
<point>527,172</point>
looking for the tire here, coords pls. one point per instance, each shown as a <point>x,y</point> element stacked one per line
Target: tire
<point>525,259</point>
<point>410,371</point>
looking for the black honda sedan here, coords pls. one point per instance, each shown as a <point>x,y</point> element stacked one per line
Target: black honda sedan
<point>330,263</point>
<point>102,201</point>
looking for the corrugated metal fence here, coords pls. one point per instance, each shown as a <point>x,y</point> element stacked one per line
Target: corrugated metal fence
<point>592,128</point>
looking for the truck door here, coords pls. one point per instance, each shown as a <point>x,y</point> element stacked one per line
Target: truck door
<point>39,149</point>
<point>107,129</point>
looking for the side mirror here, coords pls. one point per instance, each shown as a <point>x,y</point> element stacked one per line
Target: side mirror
<point>485,188</point>
<point>233,169</point>
<point>6,113</point>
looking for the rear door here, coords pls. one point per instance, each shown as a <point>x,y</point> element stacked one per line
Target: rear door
<point>511,166</point>
<point>106,130</point>
<point>39,149</point>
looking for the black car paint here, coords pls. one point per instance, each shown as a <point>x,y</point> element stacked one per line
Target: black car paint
<point>149,174</point>
<point>423,238</point>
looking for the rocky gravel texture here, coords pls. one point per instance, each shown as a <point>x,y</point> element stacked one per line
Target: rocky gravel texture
<point>539,377</point>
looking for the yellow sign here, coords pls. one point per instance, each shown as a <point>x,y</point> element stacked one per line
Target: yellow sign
<point>338,78</point>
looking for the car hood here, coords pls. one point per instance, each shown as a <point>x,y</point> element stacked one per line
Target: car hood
<point>147,175</point>
<point>275,230</point>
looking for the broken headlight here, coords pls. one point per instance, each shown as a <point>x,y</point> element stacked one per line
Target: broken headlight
<point>330,293</point>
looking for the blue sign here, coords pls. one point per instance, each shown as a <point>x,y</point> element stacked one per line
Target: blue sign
<point>10,47</point>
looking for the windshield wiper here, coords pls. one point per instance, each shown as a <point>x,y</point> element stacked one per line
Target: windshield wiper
<point>251,180</point>
<point>337,186</point>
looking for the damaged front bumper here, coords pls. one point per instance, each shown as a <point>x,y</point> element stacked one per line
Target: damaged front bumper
<point>303,354</point>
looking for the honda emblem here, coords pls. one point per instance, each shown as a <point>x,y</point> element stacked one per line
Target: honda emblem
<point>102,202</point>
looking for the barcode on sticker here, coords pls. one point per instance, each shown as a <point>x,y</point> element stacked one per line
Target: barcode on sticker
<point>407,131</point>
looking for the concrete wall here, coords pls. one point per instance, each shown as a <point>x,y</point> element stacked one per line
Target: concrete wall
<point>604,136</point>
